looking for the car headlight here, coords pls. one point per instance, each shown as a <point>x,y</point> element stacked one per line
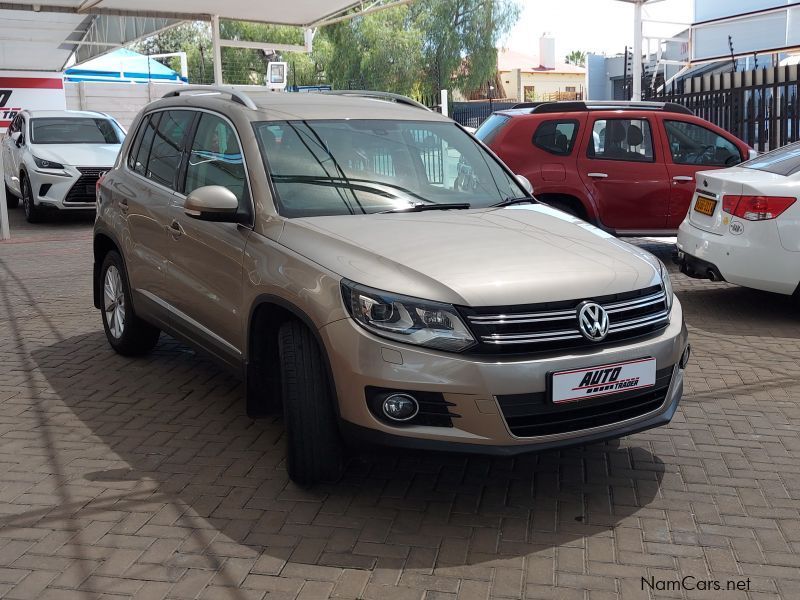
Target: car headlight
<point>47,164</point>
<point>666,283</point>
<point>405,319</point>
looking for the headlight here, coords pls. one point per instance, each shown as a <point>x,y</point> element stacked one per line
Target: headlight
<point>404,319</point>
<point>667,285</point>
<point>47,164</point>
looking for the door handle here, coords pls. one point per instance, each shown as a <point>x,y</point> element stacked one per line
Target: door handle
<point>597,175</point>
<point>682,178</point>
<point>175,229</point>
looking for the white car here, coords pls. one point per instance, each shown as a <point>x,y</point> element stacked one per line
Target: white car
<point>52,159</point>
<point>743,225</point>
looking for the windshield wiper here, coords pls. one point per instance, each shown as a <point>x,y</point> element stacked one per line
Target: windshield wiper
<point>426,207</point>
<point>510,201</point>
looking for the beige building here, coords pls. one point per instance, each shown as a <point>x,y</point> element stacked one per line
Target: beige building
<point>527,78</point>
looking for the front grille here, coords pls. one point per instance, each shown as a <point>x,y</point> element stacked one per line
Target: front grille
<point>554,325</point>
<point>530,415</point>
<point>83,190</point>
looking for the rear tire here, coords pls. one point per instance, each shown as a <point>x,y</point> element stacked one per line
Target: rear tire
<point>126,333</point>
<point>33,214</point>
<point>314,448</point>
<point>11,199</point>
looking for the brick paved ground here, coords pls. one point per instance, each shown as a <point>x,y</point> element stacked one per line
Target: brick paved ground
<point>143,478</point>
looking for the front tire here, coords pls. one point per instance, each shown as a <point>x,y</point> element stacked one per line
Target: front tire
<point>33,214</point>
<point>314,448</point>
<point>11,200</point>
<point>127,333</point>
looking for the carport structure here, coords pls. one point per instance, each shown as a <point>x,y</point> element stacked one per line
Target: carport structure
<point>45,36</point>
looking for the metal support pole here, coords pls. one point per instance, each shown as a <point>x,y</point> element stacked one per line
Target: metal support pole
<point>443,94</point>
<point>637,51</point>
<point>5,230</point>
<point>216,50</point>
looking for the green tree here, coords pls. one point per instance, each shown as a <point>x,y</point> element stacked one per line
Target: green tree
<point>460,40</point>
<point>576,57</point>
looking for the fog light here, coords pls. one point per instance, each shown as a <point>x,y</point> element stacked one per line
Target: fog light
<point>685,357</point>
<point>400,407</point>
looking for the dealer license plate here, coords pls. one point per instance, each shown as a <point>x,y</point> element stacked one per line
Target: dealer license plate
<point>705,205</point>
<point>604,380</point>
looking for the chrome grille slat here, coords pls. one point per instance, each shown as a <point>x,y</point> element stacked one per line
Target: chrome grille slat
<point>505,330</point>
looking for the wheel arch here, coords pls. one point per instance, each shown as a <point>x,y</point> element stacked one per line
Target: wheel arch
<point>267,314</point>
<point>584,208</point>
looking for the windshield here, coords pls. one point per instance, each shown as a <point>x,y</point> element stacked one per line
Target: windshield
<point>783,161</point>
<point>74,130</point>
<point>367,166</point>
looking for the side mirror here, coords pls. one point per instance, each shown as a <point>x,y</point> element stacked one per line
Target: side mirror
<point>17,138</point>
<point>212,203</point>
<point>525,183</point>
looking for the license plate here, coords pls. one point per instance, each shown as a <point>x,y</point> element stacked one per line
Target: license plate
<point>705,205</point>
<point>593,382</point>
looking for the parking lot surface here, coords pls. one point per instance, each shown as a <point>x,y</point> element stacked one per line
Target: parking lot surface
<point>143,478</point>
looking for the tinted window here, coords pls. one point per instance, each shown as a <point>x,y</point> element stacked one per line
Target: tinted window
<point>73,130</point>
<point>692,144</point>
<point>556,137</point>
<point>621,139</point>
<point>491,127</point>
<point>783,161</point>
<point>216,158</point>
<point>143,151</point>
<point>357,167</point>
<point>167,147</point>
<point>16,125</point>
<point>133,149</point>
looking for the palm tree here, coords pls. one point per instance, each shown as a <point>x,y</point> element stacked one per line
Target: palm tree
<point>576,57</point>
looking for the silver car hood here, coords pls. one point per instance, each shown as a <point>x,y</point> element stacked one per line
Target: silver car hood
<point>487,257</point>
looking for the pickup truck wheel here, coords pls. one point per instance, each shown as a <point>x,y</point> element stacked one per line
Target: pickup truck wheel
<point>314,448</point>
<point>11,200</point>
<point>127,333</point>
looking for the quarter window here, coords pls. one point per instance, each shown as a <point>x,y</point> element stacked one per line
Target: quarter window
<point>142,153</point>
<point>622,139</point>
<point>556,137</point>
<point>216,158</point>
<point>692,144</point>
<point>167,147</point>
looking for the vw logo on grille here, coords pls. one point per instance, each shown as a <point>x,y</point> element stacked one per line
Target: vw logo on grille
<point>593,321</point>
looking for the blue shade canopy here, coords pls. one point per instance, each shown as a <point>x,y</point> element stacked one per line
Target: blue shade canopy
<point>122,65</point>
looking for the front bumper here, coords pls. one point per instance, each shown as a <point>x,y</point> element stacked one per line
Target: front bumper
<point>67,189</point>
<point>472,384</point>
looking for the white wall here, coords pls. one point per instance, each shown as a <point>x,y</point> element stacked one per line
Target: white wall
<point>124,100</point>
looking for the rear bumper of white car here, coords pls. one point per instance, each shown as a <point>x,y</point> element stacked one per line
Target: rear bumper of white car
<point>754,259</point>
<point>72,188</point>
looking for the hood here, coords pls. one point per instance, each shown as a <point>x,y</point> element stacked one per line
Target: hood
<point>489,257</point>
<point>78,155</point>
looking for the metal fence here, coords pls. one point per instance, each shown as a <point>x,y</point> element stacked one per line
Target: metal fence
<point>760,107</point>
<point>472,114</point>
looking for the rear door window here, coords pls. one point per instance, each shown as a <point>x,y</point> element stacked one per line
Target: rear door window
<point>556,137</point>
<point>168,145</point>
<point>692,144</point>
<point>491,127</point>
<point>622,139</point>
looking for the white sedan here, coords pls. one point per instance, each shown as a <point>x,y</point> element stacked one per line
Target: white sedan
<point>743,225</point>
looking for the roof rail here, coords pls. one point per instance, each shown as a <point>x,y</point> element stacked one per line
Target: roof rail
<point>582,106</point>
<point>210,90</point>
<point>388,96</point>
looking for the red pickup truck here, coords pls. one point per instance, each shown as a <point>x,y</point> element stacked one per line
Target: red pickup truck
<point>627,167</point>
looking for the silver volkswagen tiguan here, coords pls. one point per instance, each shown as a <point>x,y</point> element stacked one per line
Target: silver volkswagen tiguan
<point>375,272</point>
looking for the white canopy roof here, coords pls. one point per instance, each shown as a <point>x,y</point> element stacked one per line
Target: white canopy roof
<point>42,37</point>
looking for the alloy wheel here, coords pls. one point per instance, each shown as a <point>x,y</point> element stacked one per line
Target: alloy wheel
<point>114,302</point>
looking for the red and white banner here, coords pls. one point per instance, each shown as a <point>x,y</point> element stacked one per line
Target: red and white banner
<point>31,91</point>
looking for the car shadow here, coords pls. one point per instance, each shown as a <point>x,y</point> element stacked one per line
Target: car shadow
<point>169,431</point>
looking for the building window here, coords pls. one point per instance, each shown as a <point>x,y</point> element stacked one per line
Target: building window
<point>571,88</point>
<point>530,93</point>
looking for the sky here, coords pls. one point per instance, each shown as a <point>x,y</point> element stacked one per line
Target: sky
<point>590,25</point>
